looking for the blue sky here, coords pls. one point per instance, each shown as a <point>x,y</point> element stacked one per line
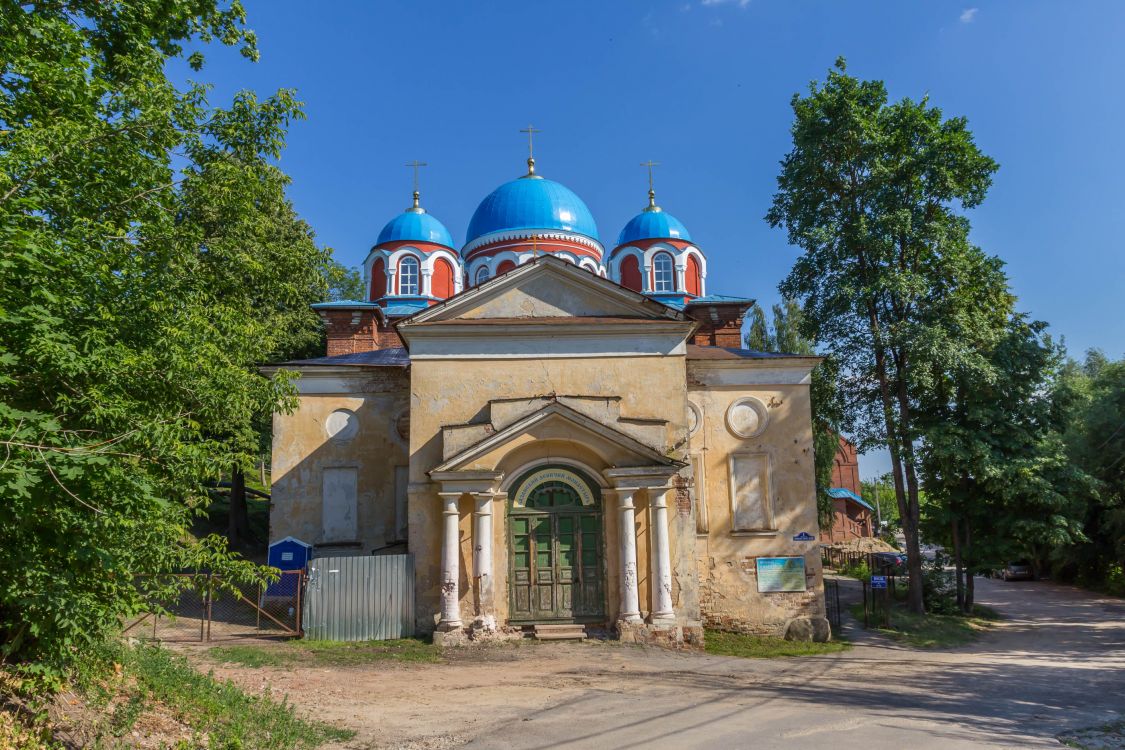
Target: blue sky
<point>703,86</point>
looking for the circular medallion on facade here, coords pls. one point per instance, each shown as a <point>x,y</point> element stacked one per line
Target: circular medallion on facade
<point>341,424</point>
<point>747,417</point>
<point>694,418</point>
<point>402,425</point>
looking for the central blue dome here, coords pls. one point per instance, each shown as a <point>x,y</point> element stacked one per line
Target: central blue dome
<point>653,224</point>
<point>532,203</point>
<point>415,225</point>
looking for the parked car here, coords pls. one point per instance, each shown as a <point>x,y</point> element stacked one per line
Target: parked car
<point>1020,570</point>
<point>890,563</point>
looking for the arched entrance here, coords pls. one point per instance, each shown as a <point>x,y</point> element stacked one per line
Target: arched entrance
<point>555,547</point>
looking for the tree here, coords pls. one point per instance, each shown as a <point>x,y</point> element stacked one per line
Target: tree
<point>785,337</point>
<point>995,466</point>
<point>870,193</point>
<point>150,261</point>
<point>1092,399</point>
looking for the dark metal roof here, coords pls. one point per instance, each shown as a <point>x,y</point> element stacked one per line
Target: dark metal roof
<point>394,357</point>
<point>694,351</point>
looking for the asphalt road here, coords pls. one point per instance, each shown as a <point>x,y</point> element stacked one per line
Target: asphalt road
<point>1055,664</point>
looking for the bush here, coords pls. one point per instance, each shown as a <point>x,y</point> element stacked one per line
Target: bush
<point>860,571</point>
<point>939,588</point>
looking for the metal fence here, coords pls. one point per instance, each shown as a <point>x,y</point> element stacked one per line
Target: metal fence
<point>360,598</point>
<point>209,608</point>
<point>832,602</point>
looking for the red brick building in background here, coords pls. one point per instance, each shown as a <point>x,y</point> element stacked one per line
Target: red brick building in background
<point>852,516</point>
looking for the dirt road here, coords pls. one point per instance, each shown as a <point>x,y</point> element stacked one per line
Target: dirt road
<point>1055,664</point>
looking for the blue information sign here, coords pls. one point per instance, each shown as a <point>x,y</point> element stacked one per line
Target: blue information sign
<point>804,536</point>
<point>878,582</point>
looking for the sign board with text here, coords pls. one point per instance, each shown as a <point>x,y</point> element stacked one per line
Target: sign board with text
<point>781,574</point>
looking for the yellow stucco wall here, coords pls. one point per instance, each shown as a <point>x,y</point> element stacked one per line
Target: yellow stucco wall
<point>455,391</point>
<point>728,581</point>
<point>302,449</point>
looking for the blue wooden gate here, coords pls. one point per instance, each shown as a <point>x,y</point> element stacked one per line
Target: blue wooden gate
<point>359,598</point>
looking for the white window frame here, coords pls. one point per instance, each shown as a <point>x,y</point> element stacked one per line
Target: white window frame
<point>409,276</point>
<point>481,276</point>
<point>659,282</point>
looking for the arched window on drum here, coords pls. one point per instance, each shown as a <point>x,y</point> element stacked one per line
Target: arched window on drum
<point>408,275</point>
<point>482,275</point>
<point>663,273</point>
<point>505,266</point>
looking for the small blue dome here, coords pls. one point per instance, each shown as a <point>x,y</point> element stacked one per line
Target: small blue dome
<point>532,203</point>
<point>653,225</point>
<point>415,225</point>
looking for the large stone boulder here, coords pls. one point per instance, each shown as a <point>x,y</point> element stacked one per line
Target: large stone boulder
<point>808,629</point>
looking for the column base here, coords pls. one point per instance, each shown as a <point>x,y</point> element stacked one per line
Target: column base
<point>448,626</point>
<point>665,633</point>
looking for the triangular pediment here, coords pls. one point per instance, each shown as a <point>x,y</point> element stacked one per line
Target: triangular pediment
<point>547,288</point>
<point>561,419</point>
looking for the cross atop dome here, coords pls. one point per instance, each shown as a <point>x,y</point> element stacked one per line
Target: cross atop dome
<point>651,191</point>
<point>531,130</point>
<point>417,207</point>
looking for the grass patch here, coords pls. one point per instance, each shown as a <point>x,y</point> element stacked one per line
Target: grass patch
<point>115,690</point>
<point>328,653</point>
<point>723,643</point>
<point>931,630</point>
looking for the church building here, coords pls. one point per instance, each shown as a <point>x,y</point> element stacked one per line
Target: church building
<point>560,432</point>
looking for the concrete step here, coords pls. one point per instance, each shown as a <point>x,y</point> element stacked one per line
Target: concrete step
<point>560,632</point>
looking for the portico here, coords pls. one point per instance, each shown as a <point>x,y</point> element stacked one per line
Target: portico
<point>565,522</point>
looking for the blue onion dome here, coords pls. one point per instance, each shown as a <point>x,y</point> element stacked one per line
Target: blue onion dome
<point>532,202</point>
<point>415,225</point>
<point>654,223</point>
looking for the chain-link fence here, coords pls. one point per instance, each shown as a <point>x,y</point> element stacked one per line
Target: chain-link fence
<point>210,608</point>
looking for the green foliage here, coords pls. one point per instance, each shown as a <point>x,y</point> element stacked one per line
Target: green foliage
<point>149,261</point>
<point>871,193</point>
<point>785,336</point>
<point>724,643</point>
<point>881,492</point>
<point>1091,401</point>
<point>859,571</point>
<point>217,711</point>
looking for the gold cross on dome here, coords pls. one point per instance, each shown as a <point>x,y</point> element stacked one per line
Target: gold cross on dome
<point>531,130</point>
<point>415,165</point>
<point>651,190</point>
<point>650,164</point>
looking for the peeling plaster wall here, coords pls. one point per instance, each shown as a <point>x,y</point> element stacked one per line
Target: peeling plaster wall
<point>302,449</point>
<point>726,561</point>
<point>457,391</point>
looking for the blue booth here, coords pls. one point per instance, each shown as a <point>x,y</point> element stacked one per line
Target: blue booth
<point>287,554</point>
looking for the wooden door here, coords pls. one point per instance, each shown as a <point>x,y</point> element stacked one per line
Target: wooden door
<point>555,548</point>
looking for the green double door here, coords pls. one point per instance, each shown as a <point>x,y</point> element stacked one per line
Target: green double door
<point>556,558</point>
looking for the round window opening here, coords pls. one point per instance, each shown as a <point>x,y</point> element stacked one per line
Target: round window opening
<point>747,417</point>
<point>342,424</point>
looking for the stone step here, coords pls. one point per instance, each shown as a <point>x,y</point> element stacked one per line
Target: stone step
<point>559,632</point>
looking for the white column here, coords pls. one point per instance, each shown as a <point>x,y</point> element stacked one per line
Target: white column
<point>630,609</point>
<point>482,554</point>
<point>662,576</point>
<point>681,281</point>
<point>450,559</point>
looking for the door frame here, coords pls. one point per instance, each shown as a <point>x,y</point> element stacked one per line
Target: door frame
<point>599,511</point>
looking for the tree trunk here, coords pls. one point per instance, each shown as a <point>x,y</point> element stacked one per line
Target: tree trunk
<point>957,565</point>
<point>897,444</point>
<point>970,589</point>
<point>238,518</point>
<point>911,515</point>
